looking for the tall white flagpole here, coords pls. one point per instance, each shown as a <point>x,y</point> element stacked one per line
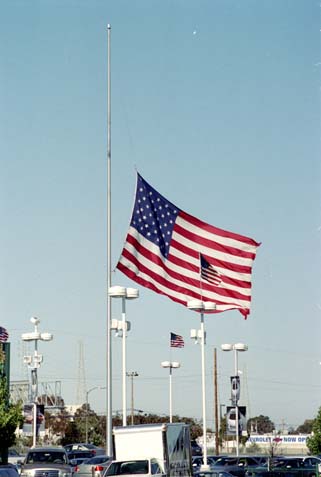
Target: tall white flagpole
<point>109,449</point>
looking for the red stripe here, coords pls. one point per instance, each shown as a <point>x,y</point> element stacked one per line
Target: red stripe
<point>217,231</point>
<point>224,293</point>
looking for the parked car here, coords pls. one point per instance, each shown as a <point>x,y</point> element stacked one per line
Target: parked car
<point>237,466</point>
<point>196,448</point>
<point>85,447</point>
<point>8,470</point>
<point>198,460</point>
<point>80,455</point>
<point>93,467</point>
<point>212,473</point>
<point>49,461</point>
<point>304,466</point>
<point>309,463</point>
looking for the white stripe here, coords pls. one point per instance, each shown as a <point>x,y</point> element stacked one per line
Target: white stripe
<point>210,296</point>
<point>216,238</point>
<point>181,270</point>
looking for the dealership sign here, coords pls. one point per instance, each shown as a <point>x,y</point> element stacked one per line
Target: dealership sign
<point>287,439</point>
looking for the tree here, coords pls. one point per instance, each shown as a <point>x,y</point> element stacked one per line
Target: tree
<point>306,427</point>
<point>260,425</point>
<point>314,442</point>
<point>10,418</point>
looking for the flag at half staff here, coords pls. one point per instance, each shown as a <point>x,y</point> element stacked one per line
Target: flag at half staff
<point>177,341</point>
<point>162,252</point>
<point>208,272</point>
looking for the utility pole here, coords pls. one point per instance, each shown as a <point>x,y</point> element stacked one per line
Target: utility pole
<point>217,451</point>
<point>132,375</point>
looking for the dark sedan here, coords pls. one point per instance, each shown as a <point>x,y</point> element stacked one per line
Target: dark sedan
<point>237,466</point>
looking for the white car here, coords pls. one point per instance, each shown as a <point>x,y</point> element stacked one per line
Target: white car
<point>231,421</point>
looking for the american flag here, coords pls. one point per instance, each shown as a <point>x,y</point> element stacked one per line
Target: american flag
<point>177,341</point>
<point>4,335</point>
<point>162,252</point>
<point>208,272</point>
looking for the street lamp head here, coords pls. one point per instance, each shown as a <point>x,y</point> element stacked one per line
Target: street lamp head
<point>27,359</point>
<point>117,292</point>
<point>227,347</point>
<point>32,336</point>
<point>199,305</point>
<point>240,347</point>
<point>170,364</point>
<point>132,293</point>
<point>34,320</point>
<point>46,336</point>
<point>195,305</point>
<point>209,306</point>
<point>165,364</point>
<point>175,364</point>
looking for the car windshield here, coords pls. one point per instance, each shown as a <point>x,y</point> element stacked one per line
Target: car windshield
<point>128,467</point>
<point>46,457</point>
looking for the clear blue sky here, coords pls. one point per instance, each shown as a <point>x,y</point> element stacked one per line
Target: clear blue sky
<point>217,104</point>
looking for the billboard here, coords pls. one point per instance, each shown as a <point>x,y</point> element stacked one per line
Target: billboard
<point>231,420</point>
<point>28,410</point>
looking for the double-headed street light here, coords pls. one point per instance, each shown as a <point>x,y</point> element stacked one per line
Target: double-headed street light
<point>171,365</point>
<point>34,362</point>
<point>199,335</point>
<point>237,347</point>
<point>121,327</point>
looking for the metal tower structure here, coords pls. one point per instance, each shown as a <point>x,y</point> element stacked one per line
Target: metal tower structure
<point>49,393</point>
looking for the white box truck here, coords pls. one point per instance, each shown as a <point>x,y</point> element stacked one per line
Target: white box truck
<point>152,450</point>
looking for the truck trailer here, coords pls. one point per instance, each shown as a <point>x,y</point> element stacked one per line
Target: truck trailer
<point>152,450</point>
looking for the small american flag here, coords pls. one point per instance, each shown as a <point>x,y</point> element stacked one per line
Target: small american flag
<point>4,335</point>
<point>177,341</point>
<point>209,273</point>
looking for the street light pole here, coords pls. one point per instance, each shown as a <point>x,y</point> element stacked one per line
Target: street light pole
<point>236,348</point>
<point>200,306</point>
<point>171,365</point>
<point>34,362</point>
<point>87,405</point>
<point>124,294</point>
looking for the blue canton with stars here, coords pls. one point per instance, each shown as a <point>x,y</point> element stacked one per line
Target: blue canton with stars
<point>154,216</point>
